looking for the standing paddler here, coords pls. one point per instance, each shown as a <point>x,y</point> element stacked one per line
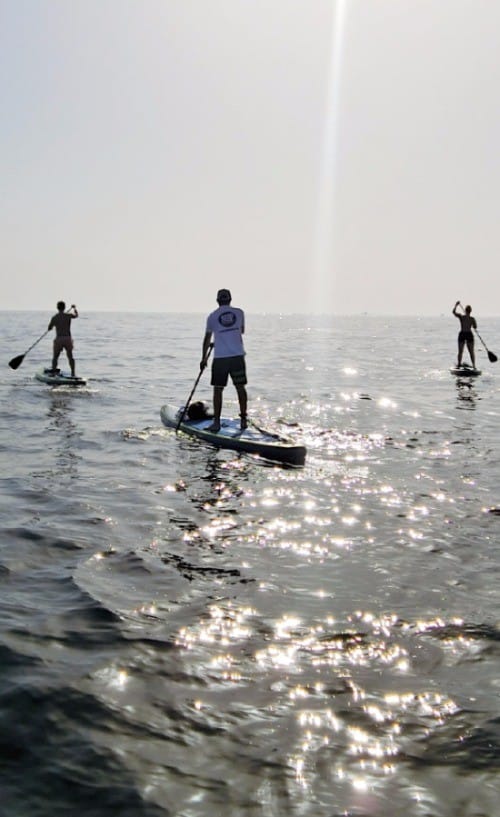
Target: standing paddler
<point>61,322</point>
<point>465,336</point>
<point>227,325</point>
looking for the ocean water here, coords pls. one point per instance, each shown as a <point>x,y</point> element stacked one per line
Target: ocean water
<point>191,632</point>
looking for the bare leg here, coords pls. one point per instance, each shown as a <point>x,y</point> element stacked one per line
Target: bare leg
<point>217,408</point>
<point>71,362</point>
<point>55,358</point>
<point>460,351</point>
<point>242,399</point>
<point>470,347</point>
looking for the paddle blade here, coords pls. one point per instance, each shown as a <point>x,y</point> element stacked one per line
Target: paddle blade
<point>16,362</point>
<point>492,357</point>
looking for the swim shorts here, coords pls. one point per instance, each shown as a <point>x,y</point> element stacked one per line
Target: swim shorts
<point>60,343</point>
<point>222,367</point>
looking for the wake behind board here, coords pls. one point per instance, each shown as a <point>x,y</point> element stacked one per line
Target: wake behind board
<point>464,370</point>
<point>252,440</point>
<point>59,378</point>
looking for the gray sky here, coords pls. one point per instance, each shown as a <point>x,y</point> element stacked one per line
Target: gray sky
<point>311,155</point>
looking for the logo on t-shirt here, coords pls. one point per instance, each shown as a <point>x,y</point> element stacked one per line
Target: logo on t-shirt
<point>227,319</point>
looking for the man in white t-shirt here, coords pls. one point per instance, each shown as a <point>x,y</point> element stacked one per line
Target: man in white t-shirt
<point>227,325</point>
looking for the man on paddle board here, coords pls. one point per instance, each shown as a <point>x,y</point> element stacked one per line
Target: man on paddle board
<point>227,325</point>
<point>61,322</point>
<point>465,336</point>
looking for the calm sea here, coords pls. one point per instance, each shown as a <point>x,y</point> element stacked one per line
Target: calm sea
<point>190,632</point>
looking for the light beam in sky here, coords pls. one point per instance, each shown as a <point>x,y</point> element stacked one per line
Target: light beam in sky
<point>322,291</point>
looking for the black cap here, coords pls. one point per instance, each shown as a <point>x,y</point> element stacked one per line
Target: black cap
<point>223,296</point>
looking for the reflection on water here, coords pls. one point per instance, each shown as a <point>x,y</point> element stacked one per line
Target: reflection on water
<point>467,394</point>
<point>63,434</point>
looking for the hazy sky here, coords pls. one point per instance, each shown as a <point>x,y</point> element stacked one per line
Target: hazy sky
<point>311,155</point>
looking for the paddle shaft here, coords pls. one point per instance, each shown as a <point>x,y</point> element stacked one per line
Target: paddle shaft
<point>202,369</point>
<point>36,341</point>
<point>491,355</point>
<point>16,361</point>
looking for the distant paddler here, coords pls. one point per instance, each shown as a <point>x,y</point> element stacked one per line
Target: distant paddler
<point>465,336</point>
<point>61,322</point>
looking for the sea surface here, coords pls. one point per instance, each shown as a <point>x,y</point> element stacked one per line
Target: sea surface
<point>187,631</point>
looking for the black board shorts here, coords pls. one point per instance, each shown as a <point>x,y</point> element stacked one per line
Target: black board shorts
<point>465,337</point>
<point>222,367</point>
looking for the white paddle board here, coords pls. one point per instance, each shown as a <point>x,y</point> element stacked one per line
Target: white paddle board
<point>252,440</point>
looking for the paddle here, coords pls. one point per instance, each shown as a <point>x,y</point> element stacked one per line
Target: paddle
<point>264,430</point>
<point>16,361</point>
<point>491,355</point>
<point>202,369</point>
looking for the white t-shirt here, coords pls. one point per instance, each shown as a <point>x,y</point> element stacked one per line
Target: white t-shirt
<point>227,324</point>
